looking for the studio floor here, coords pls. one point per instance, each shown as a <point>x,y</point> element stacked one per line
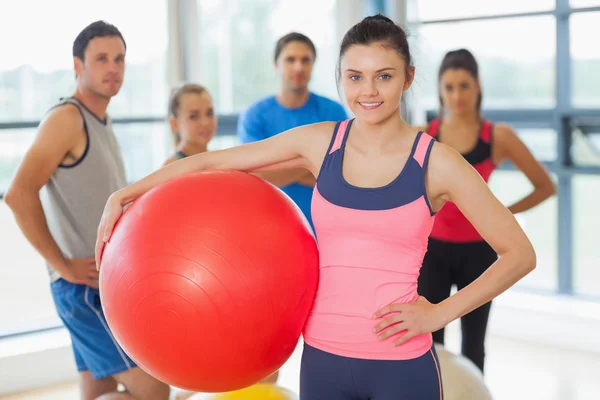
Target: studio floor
<point>515,371</point>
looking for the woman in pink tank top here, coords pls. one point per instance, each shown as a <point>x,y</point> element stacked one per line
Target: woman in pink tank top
<point>457,253</point>
<point>379,184</point>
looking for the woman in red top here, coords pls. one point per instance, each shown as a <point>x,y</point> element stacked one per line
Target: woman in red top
<point>457,254</point>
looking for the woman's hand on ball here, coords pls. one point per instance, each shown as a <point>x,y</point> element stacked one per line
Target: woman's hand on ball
<point>112,213</point>
<point>412,319</point>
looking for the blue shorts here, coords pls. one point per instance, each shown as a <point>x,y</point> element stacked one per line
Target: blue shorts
<point>94,347</point>
<point>326,376</point>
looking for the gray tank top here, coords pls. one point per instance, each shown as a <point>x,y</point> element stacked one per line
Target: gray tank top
<point>74,197</point>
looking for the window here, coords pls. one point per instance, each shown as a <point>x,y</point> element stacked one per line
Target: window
<point>539,223</point>
<point>585,148</point>
<point>516,59</point>
<point>586,220</point>
<point>23,279</point>
<point>429,10</point>
<point>541,142</point>
<point>145,147</point>
<point>39,69</point>
<point>585,59</point>
<point>584,3</point>
<point>239,37</point>
<point>25,299</point>
<point>223,142</point>
<point>38,72</point>
<point>13,144</point>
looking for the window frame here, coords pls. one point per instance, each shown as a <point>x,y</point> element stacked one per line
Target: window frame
<point>562,118</point>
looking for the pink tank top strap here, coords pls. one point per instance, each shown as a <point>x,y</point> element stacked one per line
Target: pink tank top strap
<point>339,136</point>
<point>422,146</point>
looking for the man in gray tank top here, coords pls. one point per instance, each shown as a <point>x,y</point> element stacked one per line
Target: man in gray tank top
<point>58,196</point>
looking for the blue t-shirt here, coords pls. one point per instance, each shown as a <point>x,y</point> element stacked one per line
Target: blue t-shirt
<point>268,118</point>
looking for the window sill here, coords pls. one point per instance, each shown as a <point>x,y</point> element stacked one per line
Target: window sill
<point>553,320</point>
<point>34,360</point>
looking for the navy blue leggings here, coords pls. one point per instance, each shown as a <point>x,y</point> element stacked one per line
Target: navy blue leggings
<point>326,376</point>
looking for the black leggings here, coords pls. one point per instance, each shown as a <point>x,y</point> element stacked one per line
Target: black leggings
<point>446,264</point>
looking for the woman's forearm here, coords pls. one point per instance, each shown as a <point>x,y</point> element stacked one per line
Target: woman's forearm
<point>164,174</point>
<point>276,153</point>
<point>536,197</point>
<point>504,273</point>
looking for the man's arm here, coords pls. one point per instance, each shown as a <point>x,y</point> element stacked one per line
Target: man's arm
<point>249,130</point>
<point>58,134</point>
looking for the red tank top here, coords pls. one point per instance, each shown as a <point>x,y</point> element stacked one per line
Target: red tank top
<point>450,224</point>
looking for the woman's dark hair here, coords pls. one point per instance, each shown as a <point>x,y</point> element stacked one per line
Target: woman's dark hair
<point>376,29</point>
<point>459,59</point>
<point>294,37</point>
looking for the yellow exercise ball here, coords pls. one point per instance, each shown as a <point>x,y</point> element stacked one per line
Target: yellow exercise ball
<point>261,391</point>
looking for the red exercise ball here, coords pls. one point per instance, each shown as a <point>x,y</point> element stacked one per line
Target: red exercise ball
<point>207,280</point>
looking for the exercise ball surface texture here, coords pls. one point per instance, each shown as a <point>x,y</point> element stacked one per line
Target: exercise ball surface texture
<point>207,280</point>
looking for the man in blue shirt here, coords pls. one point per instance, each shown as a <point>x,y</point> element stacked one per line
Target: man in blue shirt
<point>295,105</point>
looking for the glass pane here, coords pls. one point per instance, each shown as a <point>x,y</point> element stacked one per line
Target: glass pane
<point>240,36</point>
<point>585,148</point>
<point>145,147</point>
<point>223,142</point>
<point>13,145</point>
<point>39,69</point>
<point>539,223</point>
<point>25,299</point>
<point>516,60</point>
<point>428,10</point>
<point>541,142</point>
<point>584,3</point>
<point>22,271</point>
<point>586,220</point>
<point>585,59</point>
